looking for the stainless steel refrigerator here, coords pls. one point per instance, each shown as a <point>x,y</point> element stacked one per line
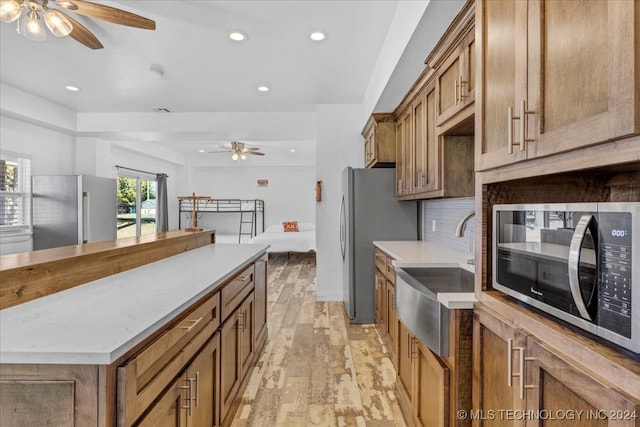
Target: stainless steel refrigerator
<point>369,211</point>
<point>72,209</point>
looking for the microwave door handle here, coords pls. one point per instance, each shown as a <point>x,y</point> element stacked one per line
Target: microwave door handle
<point>574,264</point>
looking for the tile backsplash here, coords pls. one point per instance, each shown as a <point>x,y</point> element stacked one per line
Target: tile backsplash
<point>447,214</point>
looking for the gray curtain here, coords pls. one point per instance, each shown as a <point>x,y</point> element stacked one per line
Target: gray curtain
<point>162,210</point>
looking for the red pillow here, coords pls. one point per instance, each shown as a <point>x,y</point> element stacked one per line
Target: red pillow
<point>290,226</point>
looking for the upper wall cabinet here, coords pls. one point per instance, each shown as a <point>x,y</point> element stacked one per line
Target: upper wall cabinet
<point>404,140</point>
<point>429,165</point>
<point>380,140</point>
<point>555,76</point>
<point>453,58</point>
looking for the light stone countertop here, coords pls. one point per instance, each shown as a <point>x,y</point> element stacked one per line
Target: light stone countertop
<point>418,253</point>
<point>100,321</point>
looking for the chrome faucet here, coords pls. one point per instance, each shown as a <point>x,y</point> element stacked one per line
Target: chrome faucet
<point>462,225</point>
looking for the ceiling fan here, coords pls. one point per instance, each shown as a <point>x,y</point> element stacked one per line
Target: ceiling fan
<point>60,24</point>
<point>239,150</point>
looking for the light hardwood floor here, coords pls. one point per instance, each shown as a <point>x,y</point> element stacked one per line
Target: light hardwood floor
<point>316,369</point>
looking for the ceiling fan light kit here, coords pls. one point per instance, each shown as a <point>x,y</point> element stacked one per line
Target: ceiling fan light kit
<point>35,11</point>
<point>30,27</point>
<point>57,23</point>
<point>239,150</point>
<point>10,10</point>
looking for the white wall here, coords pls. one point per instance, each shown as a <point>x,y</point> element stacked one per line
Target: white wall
<point>51,152</point>
<point>290,195</point>
<point>339,144</point>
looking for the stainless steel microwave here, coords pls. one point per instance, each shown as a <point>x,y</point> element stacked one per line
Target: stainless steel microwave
<point>579,262</point>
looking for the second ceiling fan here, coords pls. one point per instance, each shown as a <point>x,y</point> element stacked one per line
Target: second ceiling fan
<point>239,150</point>
<point>60,24</point>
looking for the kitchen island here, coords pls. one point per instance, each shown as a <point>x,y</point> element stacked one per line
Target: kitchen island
<point>113,350</point>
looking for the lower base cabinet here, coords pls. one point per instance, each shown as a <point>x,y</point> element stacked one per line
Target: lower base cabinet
<point>192,399</point>
<point>519,381</point>
<point>423,383</point>
<point>237,354</point>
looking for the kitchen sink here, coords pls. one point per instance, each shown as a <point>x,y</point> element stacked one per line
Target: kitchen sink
<point>436,280</point>
<point>417,302</point>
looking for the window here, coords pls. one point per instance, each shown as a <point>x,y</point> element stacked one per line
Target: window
<point>136,206</point>
<point>15,193</point>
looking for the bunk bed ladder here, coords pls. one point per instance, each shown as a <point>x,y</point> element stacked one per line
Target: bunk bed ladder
<point>246,217</point>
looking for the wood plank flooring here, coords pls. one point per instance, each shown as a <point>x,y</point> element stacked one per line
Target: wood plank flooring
<point>316,369</point>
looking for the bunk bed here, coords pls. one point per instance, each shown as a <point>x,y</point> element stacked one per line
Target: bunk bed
<point>251,213</point>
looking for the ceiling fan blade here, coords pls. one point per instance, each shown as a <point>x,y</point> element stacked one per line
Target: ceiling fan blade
<point>216,152</point>
<point>109,14</point>
<point>255,153</point>
<point>82,35</point>
<point>246,149</point>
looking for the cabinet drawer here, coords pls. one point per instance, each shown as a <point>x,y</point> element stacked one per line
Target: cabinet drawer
<point>234,292</point>
<point>142,379</point>
<point>380,260</point>
<point>390,270</point>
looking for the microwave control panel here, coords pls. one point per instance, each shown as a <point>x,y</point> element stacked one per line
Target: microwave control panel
<point>614,311</point>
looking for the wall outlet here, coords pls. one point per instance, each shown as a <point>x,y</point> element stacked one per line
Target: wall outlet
<point>433,225</point>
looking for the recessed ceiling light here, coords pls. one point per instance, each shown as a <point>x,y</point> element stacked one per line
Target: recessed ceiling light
<point>72,88</point>
<point>292,150</point>
<point>200,151</point>
<point>317,36</point>
<point>264,88</point>
<point>238,36</point>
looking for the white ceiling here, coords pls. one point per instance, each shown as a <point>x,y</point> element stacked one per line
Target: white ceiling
<point>204,71</point>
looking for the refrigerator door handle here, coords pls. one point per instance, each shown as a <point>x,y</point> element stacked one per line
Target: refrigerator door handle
<point>84,215</point>
<point>343,230</point>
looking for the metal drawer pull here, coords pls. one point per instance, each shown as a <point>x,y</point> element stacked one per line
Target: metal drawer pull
<point>188,398</point>
<point>523,377</point>
<point>523,124</point>
<point>240,320</point>
<point>455,92</point>
<point>462,83</point>
<point>523,127</point>
<point>509,362</point>
<point>197,387</point>
<point>193,323</point>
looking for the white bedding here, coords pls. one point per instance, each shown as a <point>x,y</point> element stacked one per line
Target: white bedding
<point>280,241</point>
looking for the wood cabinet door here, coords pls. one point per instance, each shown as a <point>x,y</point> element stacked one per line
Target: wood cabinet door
<point>427,152</point>
<point>555,387</point>
<point>448,86</point>
<point>501,40</point>
<point>419,141</point>
<point>230,368</point>
<point>583,83</point>
<point>380,294</point>
<point>468,79</point>
<point>171,408</point>
<point>204,377</point>
<point>496,348</point>
<point>260,296</point>
<point>392,318</point>
<point>432,389</point>
<point>403,154</point>
<point>405,363</point>
<point>369,153</point>
<point>247,343</point>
